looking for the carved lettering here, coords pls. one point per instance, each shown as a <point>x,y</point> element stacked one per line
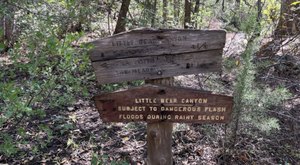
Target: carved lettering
<point>181,109</point>
<point>215,109</point>
<point>146,61</point>
<point>200,46</point>
<point>138,71</point>
<point>159,117</point>
<point>184,117</point>
<point>194,101</point>
<point>153,108</point>
<point>131,108</point>
<point>152,103</point>
<point>131,117</point>
<point>145,100</point>
<point>168,100</point>
<point>148,41</point>
<point>171,117</point>
<point>213,117</point>
<point>175,39</point>
<point>124,43</point>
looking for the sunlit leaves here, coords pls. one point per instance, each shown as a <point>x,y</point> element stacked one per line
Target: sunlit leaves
<point>272,11</point>
<point>295,3</point>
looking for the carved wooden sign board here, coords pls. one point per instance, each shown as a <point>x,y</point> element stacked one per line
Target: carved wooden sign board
<point>155,54</point>
<point>151,54</point>
<point>151,103</point>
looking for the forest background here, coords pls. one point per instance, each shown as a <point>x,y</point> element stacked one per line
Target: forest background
<point>47,82</point>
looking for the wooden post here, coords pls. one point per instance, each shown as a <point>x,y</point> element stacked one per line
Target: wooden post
<point>159,135</point>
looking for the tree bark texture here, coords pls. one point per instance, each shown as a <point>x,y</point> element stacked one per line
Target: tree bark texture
<point>288,25</point>
<point>120,27</point>
<point>289,20</point>
<point>259,11</point>
<point>197,6</point>
<point>153,13</point>
<point>159,135</point>
<point>196,11</point>
<point>8,27</point>
<point>187,14</point>
<point>176,11</point>
<point>236,17</point>
<point>165,12</point>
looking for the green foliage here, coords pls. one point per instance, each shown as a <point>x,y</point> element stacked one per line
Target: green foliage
<point>252,101</point>
<point>271,11</point>
<point>117,86</point>
<point>257,102</point>
<point>49,69</point>
<point>295,3</point>
<point>230,63</point>
<point>7,147</point>
<point>202,19</point>
<point>248,25</point>
<point>102,160</point>
<point>47,72</point>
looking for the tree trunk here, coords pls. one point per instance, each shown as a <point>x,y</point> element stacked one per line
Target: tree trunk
<point>258,18</point>
<point>259,11</point>
<point>187,14</point>
<point>196,12</point>
<point>120,27</point>
<point>235,21</point>
<point>165,12</point>
<point>8,27</point>
<point>289,20</point>
<point>153,14</point>
<point>176,11</point>
<point>2,35</point>
<point>146,13</point>
<point>288,25</point>
<point>197,6</point>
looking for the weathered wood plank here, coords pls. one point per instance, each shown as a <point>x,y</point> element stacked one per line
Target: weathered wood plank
<point>160,103</point>
<point>157,66</point>
<point>159,143</point>
<point>159,134</point>
<point>149,42</point>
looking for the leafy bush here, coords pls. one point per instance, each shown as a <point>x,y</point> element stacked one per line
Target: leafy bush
<point>100,160</point>
<point>46,72</point>
<point>252,101</point>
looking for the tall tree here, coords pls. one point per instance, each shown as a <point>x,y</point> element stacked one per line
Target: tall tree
<point>197,6</point>
<point>187,14</point>
<point>165,11</point>
<point>153,13</point>
<point>288,25</point>
<point>289,20</point>
<point>196,11</point>
<point>236,17</point>
<point>120,27</point>
<point>259,11</point>
<point>7,26</point>
<point>176,11</point>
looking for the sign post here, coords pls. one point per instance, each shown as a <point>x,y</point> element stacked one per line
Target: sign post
<point>156,56</point>
<point>159,135</point>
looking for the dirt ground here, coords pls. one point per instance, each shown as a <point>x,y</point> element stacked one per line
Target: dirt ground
<point>80,136</point>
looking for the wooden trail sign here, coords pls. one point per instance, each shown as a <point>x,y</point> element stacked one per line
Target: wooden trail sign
<point>150,54</point>
<point>152,103</point>
<point>156,56</point>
